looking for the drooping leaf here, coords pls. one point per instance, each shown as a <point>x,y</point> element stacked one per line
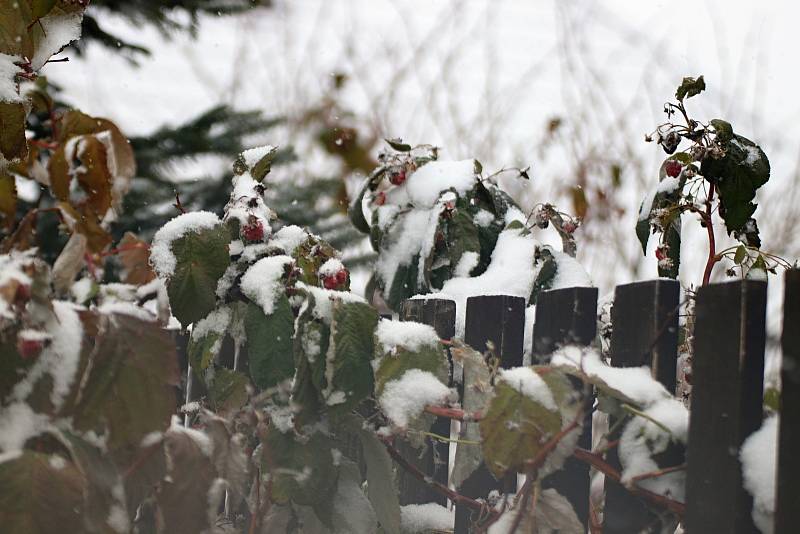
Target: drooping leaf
<point>303,470</point>
<point>737,175</point>
<point>579,203</point>
<point>690,87</point>
<point>514,429</point>
<point>269,343</point>
<point>643,233</point>
<point>398,145</point>
<point>545,276</point>
<point>202,258</point>
<point>13,144</point>
<point>352,332</point>
<point>8,199</point>
<point>554,513</point>
<point>134,255</point>
<point>356,211</point>
<point>462,236</point>
<point>352,511</point>
<point>741,254</point>
<point>228,391</point>
<point>38,498</point>
<point>69,262</point>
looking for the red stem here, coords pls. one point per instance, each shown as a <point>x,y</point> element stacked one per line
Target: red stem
<point>712,246</point>
<point>453,413</point>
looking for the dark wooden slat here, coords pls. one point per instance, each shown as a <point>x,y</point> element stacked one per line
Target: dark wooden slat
<point>645,333</point>
<point>787,513</point>
<point>500,320</point>
<point>727,379</point>
<point>567,316</point>
<point>441,315</point>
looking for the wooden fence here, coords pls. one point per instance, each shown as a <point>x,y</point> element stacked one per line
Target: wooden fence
<point>726,403</point>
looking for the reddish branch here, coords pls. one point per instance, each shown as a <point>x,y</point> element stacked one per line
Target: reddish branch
<point>712,246</point>
<point>454,496</point>
<point>609,471</point>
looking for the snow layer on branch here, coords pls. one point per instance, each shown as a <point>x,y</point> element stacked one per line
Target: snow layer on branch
<point>759,458</point>
<point>667,185</point>
<point>262,283</point>
<point>8,83</point>
<point>529,383</point>
<point>643,439</point>
<point>405,398</point>
<point>253,155</point>
<point>421,518</point>
<point>511,272</point>
<point>407,334</point>
<point>59,29</point>
<point>416,235</point>
<point>289,238</point>
<point>426,184</point>
<point>161,256</point>
<point>636,383</point>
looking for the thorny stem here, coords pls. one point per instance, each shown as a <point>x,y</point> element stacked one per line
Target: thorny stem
<point>454,496</point>
<point>609,471</point>
<point>659,472</point>
<point>453,413</point>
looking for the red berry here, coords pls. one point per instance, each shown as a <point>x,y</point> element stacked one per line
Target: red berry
<point>380,198</point>
<point>341,277</point>
<point>329,282</point>
<point>661,253</point>
<point>253,231</point>
<point>22,294</point>
<point>397,177</point>
<point>673,168</point>
<point>29,348</point>
<point>570,227</point>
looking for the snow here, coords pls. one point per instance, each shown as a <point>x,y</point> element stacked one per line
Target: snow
<point>262,282</point>
<point>753,154</point>
<point>82,289</point>
<point>12,267</point>
<point>215,322</point>
<point>58,29</point>
<point>569,272</point>
<point>290,237</point>
<point>426,184</point>
<point>511,272</point>
<point>529,383</point>
<point>759,459</point>
<point>407,334</point>
<point>19,423</point>
<point>668,185</point>
<point>126,308</point>
<point>118,519</point>
<point>405,398</point>
<point>151,439</point>
<point>161,257</point>
<point>331,267</point>
<point>636,383</point>
<point>324,299</point>
<point>417,229</point>
<point>468,261</point>
<point>421,518</point>
<point>8,83</point>
<point>253,155</point>
<point>483,218</point>
<point>642,439</point>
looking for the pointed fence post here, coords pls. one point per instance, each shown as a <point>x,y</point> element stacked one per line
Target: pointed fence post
<point>727,397</point>
<point>645,333</point>
<point>441,315</point>
<point>563,317</point>
<point>499,320</point>
<point>787,512</point>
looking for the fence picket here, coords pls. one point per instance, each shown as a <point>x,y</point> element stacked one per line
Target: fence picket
<point>499,319</point>
<point>727,396</point>
<point>567,316</point>
<point>787,502</point>
<point>441,315</point>
<point>645,333</point>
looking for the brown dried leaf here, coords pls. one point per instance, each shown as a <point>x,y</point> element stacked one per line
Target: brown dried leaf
<point>134,254</point>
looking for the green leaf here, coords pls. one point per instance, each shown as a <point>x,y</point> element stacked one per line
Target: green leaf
<point>263,165</point>
<point>643,233</point>
<point>738,174</point>
<point>201,260</point>
<point>462,236</point>
<point>201,352</point>
<point>302,469</point>
<point>37,498</point>
<point>269,343</point>
<point>477,167</point>
<point>723,129</point>
<point>228,391</point>
<point>404,284</point>
<point>348,499</point>
<point>690,87</point>
<point>356,212</point>
<point>128,386</point>
<point>13,145</point>
<point>545,276</point>
<point>514,429</point>
<point>352,331</point>
<point>393,366</point>
<point>741,254</point>
<point>380,480</point>
<point>673,241</point>
<point>398,144</point>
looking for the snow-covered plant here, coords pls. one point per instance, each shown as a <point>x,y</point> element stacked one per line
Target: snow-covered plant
<point>718,171</point>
